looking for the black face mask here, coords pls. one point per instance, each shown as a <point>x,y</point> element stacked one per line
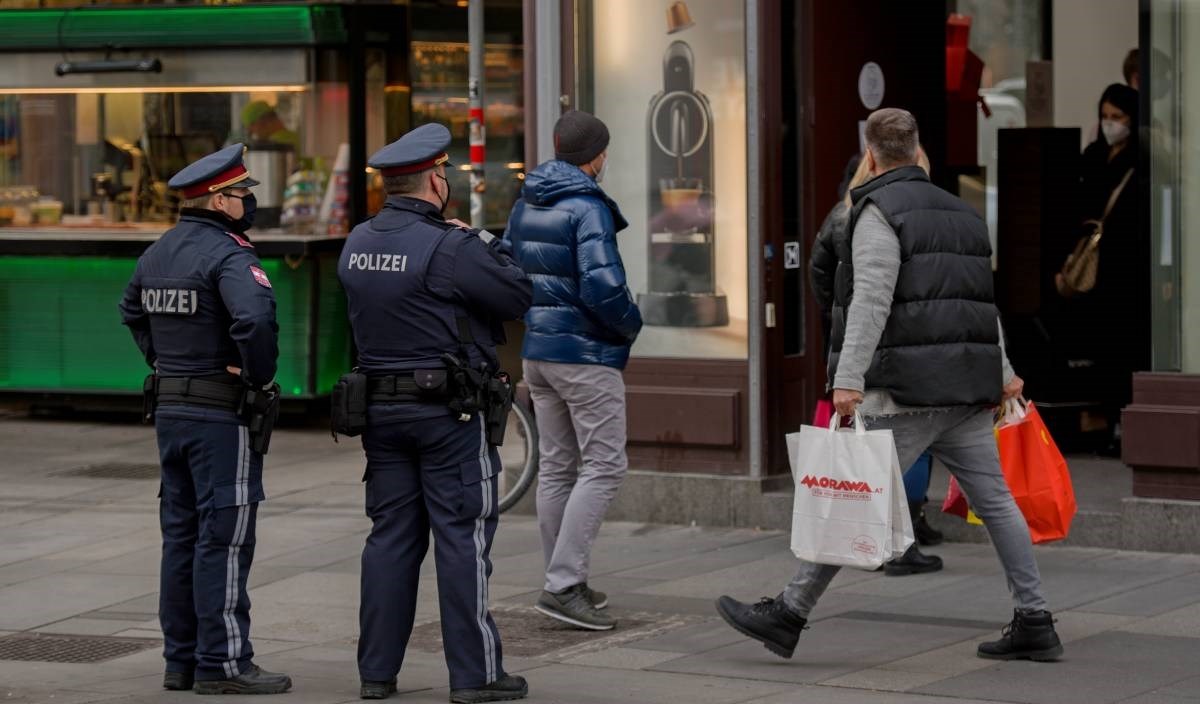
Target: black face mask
<point>445,202</point>
<point>249,208</point>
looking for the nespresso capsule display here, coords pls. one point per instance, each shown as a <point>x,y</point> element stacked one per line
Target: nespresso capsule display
<point>682,273</point>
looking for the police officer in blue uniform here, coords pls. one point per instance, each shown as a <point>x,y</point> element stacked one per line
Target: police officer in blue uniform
<point>420,288</point>
<point>201,310</point>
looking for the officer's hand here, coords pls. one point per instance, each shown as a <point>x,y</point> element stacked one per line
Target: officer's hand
<point>846,401</point>
<point>234,371</point>
<point>460,223</point>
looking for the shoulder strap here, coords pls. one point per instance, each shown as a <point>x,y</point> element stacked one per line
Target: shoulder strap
<point>1112,199</point>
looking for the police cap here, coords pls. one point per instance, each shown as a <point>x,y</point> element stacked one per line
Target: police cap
<point>419,150</point>
<point>212,173</point>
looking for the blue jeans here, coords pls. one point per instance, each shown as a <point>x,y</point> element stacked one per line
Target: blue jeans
<point>916,480</point>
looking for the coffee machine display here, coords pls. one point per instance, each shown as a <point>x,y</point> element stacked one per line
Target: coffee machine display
<point>681,223</point>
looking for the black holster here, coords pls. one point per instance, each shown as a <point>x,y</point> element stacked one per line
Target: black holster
<point>499,403</point>
<point>260,410</point>
<point>149,397</point>
<point>466,387</point>
<point>348,409</point>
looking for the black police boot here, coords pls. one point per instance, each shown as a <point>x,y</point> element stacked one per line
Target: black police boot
<point>925,533</point>
<point>254,680</point>
<point>178,681</point>
<point>912,562</point>
<point>504,689</point>
<point>769,622</point>
<point>1030,636</point>
<point>377,690</point>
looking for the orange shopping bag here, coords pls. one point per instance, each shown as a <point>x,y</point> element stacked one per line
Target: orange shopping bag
<point>1037,475</point>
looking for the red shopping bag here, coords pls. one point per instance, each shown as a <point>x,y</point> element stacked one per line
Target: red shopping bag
<point>823,413</point>
<point>956,504</point>
<point>1037,476</point>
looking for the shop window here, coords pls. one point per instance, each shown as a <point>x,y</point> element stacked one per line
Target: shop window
<point>1172,135</point>
<point>96,150</point>
<point>1005,35</point>
<point>437,92</point>
<point>669,80</point>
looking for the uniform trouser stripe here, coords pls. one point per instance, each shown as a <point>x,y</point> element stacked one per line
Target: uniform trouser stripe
<point>481,577</point>
<point>233,632</point>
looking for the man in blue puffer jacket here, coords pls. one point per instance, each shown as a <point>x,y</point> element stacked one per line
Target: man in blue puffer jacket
<point>577,339</point>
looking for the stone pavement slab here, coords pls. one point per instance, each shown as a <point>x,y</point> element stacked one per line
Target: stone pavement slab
<point>1109,667</point>
<point>80,556</point>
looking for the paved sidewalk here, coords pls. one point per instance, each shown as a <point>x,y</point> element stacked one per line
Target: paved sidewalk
<point>79,556</point>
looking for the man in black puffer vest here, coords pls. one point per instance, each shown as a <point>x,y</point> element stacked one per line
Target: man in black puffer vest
<point>917,348</point>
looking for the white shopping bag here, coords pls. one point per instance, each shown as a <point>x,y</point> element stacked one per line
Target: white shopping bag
<point>849,507</point>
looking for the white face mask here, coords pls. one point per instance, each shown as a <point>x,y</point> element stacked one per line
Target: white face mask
<point>1114,132</point>
<point>603,170</point>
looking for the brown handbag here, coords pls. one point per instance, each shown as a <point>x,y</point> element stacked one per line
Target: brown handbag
<point>1078,273</point>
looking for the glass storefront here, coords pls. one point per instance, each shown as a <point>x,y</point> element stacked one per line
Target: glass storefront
<point>1005,35</point>
<point>1173,138</point>
<point>669,80</point>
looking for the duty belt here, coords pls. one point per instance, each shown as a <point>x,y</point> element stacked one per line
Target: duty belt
<point>199,391</point>
<point>401,388</point>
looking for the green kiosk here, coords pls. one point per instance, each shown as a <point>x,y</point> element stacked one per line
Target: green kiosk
<point>99,106</point>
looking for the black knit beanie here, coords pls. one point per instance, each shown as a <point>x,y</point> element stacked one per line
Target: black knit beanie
<point>579,137</point>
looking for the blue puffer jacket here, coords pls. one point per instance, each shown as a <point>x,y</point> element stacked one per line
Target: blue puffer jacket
<point>564,232</point>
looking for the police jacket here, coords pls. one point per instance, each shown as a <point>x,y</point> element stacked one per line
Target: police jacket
<point>564,233</point>
<point>418,287</point>
<point>199,301</point>
<point>940,346</point>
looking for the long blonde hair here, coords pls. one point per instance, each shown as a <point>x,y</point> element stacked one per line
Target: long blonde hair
<point>863,174</point>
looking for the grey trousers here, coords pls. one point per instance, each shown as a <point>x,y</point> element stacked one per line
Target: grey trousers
<point>962,439</point>
<point>580,412</point>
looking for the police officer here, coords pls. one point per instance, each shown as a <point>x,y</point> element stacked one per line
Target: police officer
<point>420,287</point>
<point>201,310</point>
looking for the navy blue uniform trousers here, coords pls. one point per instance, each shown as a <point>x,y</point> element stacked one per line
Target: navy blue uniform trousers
<point>211,487</point>
<point>426,470</point>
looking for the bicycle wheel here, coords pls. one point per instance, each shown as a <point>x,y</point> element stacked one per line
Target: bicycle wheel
<point>518,457</point>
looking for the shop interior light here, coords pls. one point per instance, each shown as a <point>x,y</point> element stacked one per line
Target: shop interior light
<point>109,66</point>
<point>40,90</point>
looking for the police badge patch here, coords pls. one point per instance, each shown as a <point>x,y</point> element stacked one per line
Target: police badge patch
<point>260,277</point>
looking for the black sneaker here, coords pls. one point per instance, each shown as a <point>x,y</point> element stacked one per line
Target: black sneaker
<point>254,680</point>
<point>912,562</point>
<point>925,533</point>
<point>769,622</point>
<point>572,606</point>
<point>1029,637</point>
<point>504,689</point>
<point>178,681</point>
<point>372,689</point>
<point>598,599</point>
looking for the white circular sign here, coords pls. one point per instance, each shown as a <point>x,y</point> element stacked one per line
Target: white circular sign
<point>870,85</point>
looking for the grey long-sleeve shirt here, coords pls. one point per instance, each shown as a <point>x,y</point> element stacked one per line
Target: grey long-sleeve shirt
<point>876,255</point>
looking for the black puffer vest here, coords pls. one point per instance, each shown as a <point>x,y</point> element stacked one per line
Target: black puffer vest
<point>941,343</point>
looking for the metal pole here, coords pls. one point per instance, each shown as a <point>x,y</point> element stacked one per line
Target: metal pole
<point>478,135</point>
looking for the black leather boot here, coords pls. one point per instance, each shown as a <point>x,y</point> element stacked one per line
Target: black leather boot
<point>178,681</point>
<point>504,689</point>
<point>1030,636</point>
<point>912,562</point>
<point>925,533</point>
<point>769,622</point>
<point>371,689</point>
<point>254,680</point>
